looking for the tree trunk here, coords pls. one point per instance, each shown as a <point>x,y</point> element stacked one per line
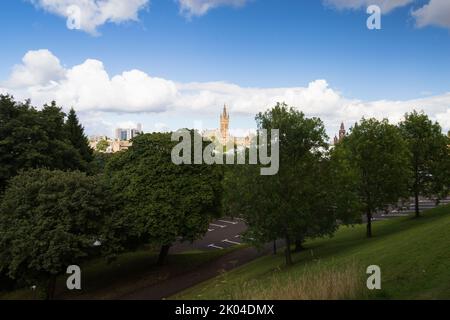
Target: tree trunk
<point>274,247</point>
<point>288,251</point>
<point>416,191</point>
<point>369,224</point>
<point>416,203</point>
<point>51,285</point>
<point>299,245</point>
<point>163,254</point>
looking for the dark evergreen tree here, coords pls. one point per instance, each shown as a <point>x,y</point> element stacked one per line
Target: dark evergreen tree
<point>75,134</point>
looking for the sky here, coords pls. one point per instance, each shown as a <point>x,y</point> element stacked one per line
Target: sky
<point>170,64</point>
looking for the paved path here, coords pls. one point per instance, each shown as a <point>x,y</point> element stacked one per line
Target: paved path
<point>211,269</point>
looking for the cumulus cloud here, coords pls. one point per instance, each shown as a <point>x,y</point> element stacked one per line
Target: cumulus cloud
<point>200,7</point>
<point>91,90</point>
<point>435,13</point>
<point>88,86</point>
<point>385,5</point>
<point>90,14</point>
<point>37,68</point>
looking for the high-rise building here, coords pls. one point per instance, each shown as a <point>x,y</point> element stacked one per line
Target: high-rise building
<point>128,134</point>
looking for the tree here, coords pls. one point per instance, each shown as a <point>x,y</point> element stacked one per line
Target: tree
<point>76,136</point>
<point>33,139</point>
<point>102,145</point>
<point>163,202</point>
<point>293,204</point>
<point>50,220</point>
<point>374,160</point>
<point>428,148</point>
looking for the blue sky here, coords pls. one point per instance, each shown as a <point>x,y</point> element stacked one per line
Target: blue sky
<point>262,44</point>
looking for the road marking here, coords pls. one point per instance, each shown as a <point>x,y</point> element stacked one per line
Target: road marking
<point>238,236</point>
<point>217,225</point>
<point>229,241</point>
<point>215,247</point>
<point>229,222</point>
<point>209,230</point>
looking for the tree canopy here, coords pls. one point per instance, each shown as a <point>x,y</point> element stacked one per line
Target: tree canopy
<point>50,220</point>
<point>163,202</point>
<point>30,138</point>
<point>294,204</point>
<point>373,159</point>
<point>429,157</point>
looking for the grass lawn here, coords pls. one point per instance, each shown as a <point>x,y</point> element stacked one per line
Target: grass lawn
<point>129,272</point>
<point>414,256</point>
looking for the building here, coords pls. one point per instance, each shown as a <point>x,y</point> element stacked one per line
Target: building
<point>118,145</point>
<point>342,134</point>
<point>222,135</point>
<point>128,134</point>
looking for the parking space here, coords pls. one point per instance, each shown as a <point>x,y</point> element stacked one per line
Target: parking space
<point>222,233</point>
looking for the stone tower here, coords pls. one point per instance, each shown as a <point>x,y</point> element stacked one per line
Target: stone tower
<point>224,125</point>
<point>342,132</point>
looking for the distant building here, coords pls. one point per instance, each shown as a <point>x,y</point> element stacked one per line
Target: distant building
<point>342,134</point>
<point>128,134</point>
<point>118,145</point>
<point>222,135</point>
<point>122,140</point>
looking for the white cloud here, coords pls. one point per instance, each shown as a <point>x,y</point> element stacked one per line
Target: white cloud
<point>94,13</point>
<point>200,7</point>
<point>92,91</point>
<point>385,5</point>
<point>435,13</point>
<point>37,68</point>
<point>88,86</point>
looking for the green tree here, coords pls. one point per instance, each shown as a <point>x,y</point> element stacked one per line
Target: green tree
<point>102,145</point>
<point>374,160</point>
<point>293,204</point>
<point>50,220</point>
<point>428,148</point>
<point>76,136</point>
<point>163,202</point>
<point>33,139</point>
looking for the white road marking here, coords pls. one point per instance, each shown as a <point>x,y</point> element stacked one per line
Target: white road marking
<point>217,225</point>
<point>229,241</point>
<point>238,236</point>
<point>215,247</point>
<point>209,230</point>
<point>229,222</point>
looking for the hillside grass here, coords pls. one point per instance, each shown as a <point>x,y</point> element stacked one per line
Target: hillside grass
<point>413,254</point>
<point>129,272</point>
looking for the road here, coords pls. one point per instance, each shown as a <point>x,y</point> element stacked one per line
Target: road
<point>408,209</point>
<point>222,233</point>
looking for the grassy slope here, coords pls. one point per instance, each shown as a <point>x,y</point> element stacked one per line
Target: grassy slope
<point>414,256</point>
<point>130,271</point>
